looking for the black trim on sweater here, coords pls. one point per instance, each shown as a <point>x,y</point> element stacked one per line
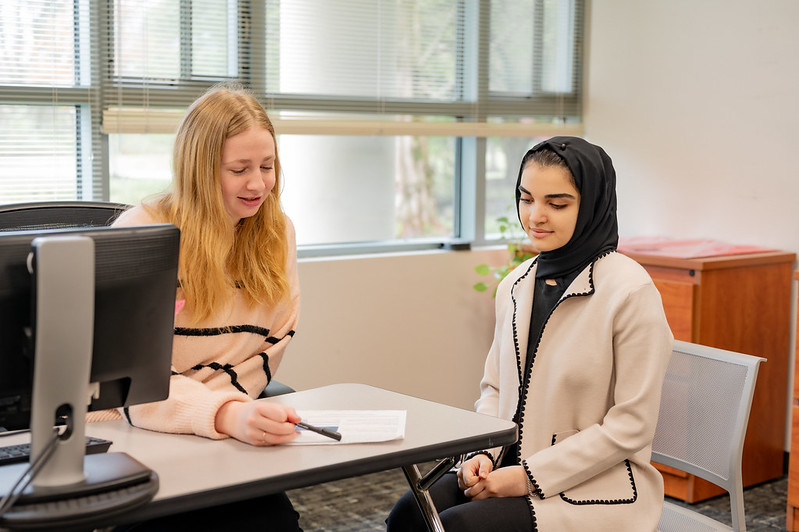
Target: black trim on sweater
<point>519,368</point>
<point>227,368</point>
<point>232,329</point>
<point>273,340</point>
<point>477,453</point>
<point>609,501</point>
<point>216,331</point>
<point>532,514</point>
<point>532,480</point>
<point>268,372</point>
<point>526,372</point>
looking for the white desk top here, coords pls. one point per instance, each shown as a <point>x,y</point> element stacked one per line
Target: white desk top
<point>195,471</point>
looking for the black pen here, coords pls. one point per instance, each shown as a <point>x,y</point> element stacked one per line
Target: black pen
<point>319,430</point>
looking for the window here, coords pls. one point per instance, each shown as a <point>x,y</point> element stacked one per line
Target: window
<point>38,46</point>
<point>369,188</point>
<point>400,122</point>
<point>43,105</point>
<point>38,145</point>
<point>139,165</point>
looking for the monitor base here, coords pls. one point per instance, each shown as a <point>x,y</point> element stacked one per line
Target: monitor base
<point>115,483</point>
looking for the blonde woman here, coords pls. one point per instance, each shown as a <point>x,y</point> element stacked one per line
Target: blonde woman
<point>238,286</point>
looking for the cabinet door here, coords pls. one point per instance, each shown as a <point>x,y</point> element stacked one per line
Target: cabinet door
<point>792,522</point>
<point>678,303</point>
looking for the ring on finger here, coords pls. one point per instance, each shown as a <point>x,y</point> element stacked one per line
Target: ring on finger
<point>263,437</point>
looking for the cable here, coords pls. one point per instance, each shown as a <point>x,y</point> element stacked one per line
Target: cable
<point>29,474</point>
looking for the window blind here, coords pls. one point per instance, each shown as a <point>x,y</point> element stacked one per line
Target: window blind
<point>44,103</point>
<point>160,55</point>
<point>456,68</point>
<point>371,67</point>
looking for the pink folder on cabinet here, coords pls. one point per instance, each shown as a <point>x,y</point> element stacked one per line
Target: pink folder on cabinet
<point>684,248</point>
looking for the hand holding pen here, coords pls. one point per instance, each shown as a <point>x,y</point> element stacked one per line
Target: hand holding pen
<point>320,430</point>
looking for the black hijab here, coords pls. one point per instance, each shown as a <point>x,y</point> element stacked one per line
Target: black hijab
<point>596,232</point>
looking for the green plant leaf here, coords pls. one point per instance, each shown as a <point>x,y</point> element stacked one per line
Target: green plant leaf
<point>480,287</point>
<point>483,269</point>
<point>501,272</point>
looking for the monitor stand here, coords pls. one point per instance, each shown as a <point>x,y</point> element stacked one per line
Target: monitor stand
<point>97,486</point>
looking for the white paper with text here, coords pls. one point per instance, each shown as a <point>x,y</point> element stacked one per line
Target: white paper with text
<point>355,426</point>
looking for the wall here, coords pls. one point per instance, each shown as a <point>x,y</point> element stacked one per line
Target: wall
<point>697,102</point>
<point>409,323</point>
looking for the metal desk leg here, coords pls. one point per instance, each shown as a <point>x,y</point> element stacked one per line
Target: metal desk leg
<point>423,498</point>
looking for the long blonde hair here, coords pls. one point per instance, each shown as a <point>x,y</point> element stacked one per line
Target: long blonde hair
<point>215,257</point>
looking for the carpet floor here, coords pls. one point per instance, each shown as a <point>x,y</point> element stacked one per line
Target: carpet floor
<point>361,504</point>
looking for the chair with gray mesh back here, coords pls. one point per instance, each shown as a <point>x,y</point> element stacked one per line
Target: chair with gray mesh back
<point>58,214</point>
<point>704,411</point>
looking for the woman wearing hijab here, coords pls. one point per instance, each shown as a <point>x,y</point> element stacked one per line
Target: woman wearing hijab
<point>580,349</point>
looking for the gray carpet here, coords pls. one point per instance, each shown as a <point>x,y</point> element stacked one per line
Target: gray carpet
<point>362,503</point>
<point>350,505</point>
<point>765,506</point>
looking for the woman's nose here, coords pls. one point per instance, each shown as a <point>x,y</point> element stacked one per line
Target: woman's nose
<point>256,183</point>
<point>536,215</point>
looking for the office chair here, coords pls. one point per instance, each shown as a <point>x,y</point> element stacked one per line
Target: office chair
<point>704,411</point>
<point>57,214</point>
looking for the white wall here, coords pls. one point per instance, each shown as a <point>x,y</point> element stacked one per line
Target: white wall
<point>409,323</point>
<point>697,102</point>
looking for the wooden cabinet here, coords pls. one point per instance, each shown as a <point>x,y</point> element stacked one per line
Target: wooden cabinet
<point>740,303</point>
<point>792,520</point>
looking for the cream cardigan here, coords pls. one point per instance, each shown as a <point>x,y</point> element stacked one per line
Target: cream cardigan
<point>591,407</point>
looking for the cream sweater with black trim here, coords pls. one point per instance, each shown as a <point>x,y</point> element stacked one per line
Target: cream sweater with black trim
<point>590,410</point>
<point>229,357</point>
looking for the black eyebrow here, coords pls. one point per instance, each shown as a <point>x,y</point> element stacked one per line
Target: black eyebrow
<point>549,196</point>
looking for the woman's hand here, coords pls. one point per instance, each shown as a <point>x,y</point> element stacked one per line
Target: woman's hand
<point>474,470</point>
<point>508,481</point>
<point>257,422</point>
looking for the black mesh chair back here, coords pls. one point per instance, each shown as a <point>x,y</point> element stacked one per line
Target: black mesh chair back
<point>58,214</point>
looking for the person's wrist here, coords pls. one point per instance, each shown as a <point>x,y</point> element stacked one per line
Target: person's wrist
<point>223,416</point>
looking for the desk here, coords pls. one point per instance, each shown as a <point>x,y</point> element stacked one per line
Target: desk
<point>232,470</point>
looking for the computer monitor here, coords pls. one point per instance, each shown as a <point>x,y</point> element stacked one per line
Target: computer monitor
<point>79,306</point>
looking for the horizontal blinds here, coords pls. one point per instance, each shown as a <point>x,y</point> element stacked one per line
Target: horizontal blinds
<point>37,47</point>
<point>516,59</point>
<point>38,151</point>
<point>46,101</point>
<point>72,71</point>
<point>372,49</point>
<point>165,53</point>
<point>377,57</point>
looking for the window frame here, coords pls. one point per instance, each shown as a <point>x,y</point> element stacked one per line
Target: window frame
<point>94,94</point>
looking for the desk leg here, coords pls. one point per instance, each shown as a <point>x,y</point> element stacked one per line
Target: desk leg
<point>423,499</point>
